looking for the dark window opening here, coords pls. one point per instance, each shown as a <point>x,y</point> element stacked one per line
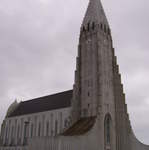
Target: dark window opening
<point>88,26</point>
<point>83,28</point>
<point>18,132</point>
<point>32,128</point>
<point>47,129</point>
<point>105,30</point>
<point>39,129</point>
<point>6,133</point>
<point>26,132</point>
<point>108,129</point>
<point>56,127</point>
<point>12,136</point>
<point>93,25</point>
<point>88,94</point>
<point>101,26</point>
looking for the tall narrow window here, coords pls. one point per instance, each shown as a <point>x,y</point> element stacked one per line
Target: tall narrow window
<point>26,127</point>
<point>15,129</point>
<point>6,134</point>
<point>88,26</point>
<point>56,127</point>
<point>18,132</point>
<point>107,127</point>
<point>60,121</point>
<point>93,25</point>
<point>47,128</point>
<point>32,129</point>
<point>18,135</point>
<point>83,28</point>
<point>105,29</point>
<point>101,26</point>
<point>51,125</point>
<point>88,94</point>
<point>2,132</point>
<point>12,135</point>
<point>108,130</point>
<point>39,129</point>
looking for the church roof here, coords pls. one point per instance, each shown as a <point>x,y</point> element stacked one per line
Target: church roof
<point>46,103</point>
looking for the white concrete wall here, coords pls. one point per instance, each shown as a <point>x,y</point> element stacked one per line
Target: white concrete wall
<point>92,140</point>
<point>14,130</point>
<point>88,141</point>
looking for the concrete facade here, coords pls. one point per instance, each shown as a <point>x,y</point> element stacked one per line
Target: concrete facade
<point>97,95</point>
<point>19,130</point>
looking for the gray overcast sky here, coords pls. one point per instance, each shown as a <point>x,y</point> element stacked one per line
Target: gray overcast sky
<point>38,46</point>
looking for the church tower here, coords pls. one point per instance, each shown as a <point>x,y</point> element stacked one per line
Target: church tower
<point>98,91</point>
<point>92,116</point>
<point>93,88</point>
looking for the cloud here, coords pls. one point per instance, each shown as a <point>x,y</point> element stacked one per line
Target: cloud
<point>38,46</point>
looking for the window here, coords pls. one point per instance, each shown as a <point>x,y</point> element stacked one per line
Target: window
<point>32,129</point>
<point>88,26</point>
<point>101,26</point>
<point>93,25</point>
<point>56,127</point>
<point>18,132</point>
<point>6,133</point>
<point>105,30</point>
<point>60,121</point>
<point>51,124</point>
<point>26,129</point>
<point>83,28</point>
<point>12,135</point>
<point>39,129</point>
<point>47,128</point>
<point>107,129</point>
<point>88,94</point>
<point>2,131</point>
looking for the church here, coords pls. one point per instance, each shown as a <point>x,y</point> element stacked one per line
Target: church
<point>91,116</point>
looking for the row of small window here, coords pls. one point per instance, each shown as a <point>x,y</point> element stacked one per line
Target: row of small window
<point>58,128</point>
<point>34,130</point>
<point>91,26</point>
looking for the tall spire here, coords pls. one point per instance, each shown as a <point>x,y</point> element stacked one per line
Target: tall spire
<point>95,13</point>
<point>94,64</point>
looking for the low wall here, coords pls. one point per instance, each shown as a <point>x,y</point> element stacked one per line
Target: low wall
<point>90,141</point>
